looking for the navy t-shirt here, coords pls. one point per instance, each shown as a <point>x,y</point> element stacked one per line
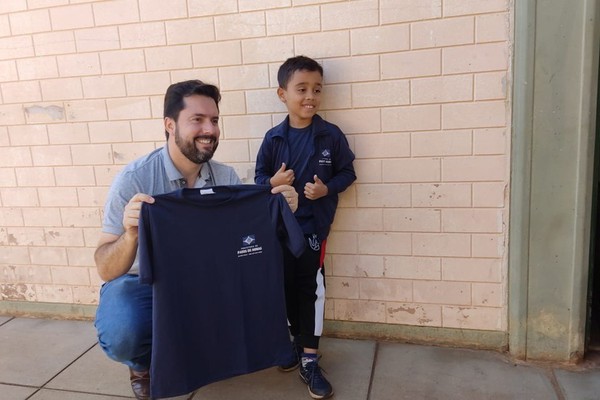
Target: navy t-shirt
<point>214,259</point>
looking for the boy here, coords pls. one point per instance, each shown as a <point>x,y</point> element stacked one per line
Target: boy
<point>312,155</point>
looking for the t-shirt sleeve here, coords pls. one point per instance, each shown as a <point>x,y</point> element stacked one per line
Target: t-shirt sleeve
<point>287,225</point>
<point>145,248</point>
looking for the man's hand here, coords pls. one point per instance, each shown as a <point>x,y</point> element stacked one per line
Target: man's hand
<point>314,191</point>
<point>290,194</point>
<point>131,214</point>
<point>282,176</point>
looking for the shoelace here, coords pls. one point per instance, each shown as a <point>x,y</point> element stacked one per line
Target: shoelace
<point>315,372</point>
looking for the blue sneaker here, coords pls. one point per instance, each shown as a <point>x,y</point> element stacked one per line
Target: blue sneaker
<point>312,375</point>
<point>295,360</point>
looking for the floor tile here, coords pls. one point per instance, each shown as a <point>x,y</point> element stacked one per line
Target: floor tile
<point>51,394</point>
<point>35,350</point>
<point>94,372</point>
<point>581,385</point>
<point>4,318</point>
<point>10,392</point>
<point>406,371</point>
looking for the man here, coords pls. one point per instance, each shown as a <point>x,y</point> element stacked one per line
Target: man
<point>124,315</point>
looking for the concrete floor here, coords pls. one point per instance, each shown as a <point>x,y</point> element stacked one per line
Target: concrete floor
<point>42,359</point>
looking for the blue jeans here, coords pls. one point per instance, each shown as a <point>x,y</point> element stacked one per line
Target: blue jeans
<point>124,321</point>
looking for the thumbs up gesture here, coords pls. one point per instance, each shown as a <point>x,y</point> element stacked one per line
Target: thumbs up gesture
<point>316,190</point>
<point>282,176</point>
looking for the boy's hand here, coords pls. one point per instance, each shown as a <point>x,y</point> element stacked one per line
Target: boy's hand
<point>316,190</point>
<point>282,177</point>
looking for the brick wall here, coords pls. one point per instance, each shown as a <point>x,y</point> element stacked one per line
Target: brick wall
<point>420,87</point>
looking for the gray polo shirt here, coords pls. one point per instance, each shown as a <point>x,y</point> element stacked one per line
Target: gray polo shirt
<point>155,174</point>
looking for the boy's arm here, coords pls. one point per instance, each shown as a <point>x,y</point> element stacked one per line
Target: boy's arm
<point>263,170</point>
<point>344,173</point>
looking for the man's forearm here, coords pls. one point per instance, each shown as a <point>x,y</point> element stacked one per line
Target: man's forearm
<point>115,258</point>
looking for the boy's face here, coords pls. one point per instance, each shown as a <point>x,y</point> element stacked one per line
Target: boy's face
<point>302,97</point>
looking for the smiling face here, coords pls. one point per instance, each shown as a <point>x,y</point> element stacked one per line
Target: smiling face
<point>196,132</point>
<point>302,97</point>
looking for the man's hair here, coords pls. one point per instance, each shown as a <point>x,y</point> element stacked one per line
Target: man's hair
<point>178,91</point>
<point>298,63</point>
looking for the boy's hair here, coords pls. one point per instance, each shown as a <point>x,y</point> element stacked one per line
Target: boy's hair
<point>293,64</point>
<point>178,91</point>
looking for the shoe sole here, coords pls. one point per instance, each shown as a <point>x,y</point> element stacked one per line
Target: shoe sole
<point>288,369</point>
<point>314,395</point>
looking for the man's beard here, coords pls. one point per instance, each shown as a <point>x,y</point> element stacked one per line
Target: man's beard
<point>189,150</point>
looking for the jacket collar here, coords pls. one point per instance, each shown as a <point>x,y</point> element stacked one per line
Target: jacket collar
<point>318,126</point>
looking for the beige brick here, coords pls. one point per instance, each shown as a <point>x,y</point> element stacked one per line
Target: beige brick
<point>92,154</point>
<point>246,126</point>
<point>474,115</point>
<point>368,171</point>
<point>151,83</point>
<point>483,318</point>
<point>384,243</point>
<point>385,145</point>
<point>244,77</point>
<point>413,314</point>
<point>68,133</point>
<point>342,243</point>
<point>37,68</point>
<point>409,10</point>
<point>355,69</point>
<point>386,289</point>
<point>358,219</point>
<point>252,5</point>
<point>116,12</point>
<point>58,197</point>
<point>44,217</point>
<point>157,10</point>
<point>411,118</point>
<point>208,75</point>
<point>240,26</point>
<point>70,276</point>
<point>124,153</point>
<point>10,216</point>
<point>23,135</point>
<point>475,58</point>
<point>442,292</point>
<point>442,89</point>
<point>358,310</point>
<point>462,7</point>
<point>211,7</point>
<point>26,236</point>
<point>217,54</point>
<point>488,295</point>
<point>342,287</point>
<point>268,49</point>
<point>81,257</point>
<point>167,58</point>
<point>54,294</point>
<point>122,61</point>
<point>411,220</point>
<point>15,156</point>
<point>358,13</point>
<point>74,176</point>
<point>444,143</point>
<point>104,86</point>
<point>490,141</point>
<point>97,39</point>
<point>479,168</point>
<point>492,27</point>
<point>80,217</point>
<point>7,177</point>
<point>72,17</point>
<point>288,21</point>
<point>78,64</point>
<point>380,39</point>
<point>193,30</point>
<point>51,155</point>
<point>105,174</point>
<point>442,32</point>
<point>441,244</point>
<point>91,196</point>
<point>21,92</point>
<point>35,177</point>
<point>472,269</point>
<point>128,108</point>
<point>147,130</point>
<point>14,255</point>
<point>490,86</point>
<point>8,71</point>
<point>12,114</point>
<point>61,89</point>
<point>25,273</point>
<point>54,43</point>
<point>356,266</point>
<point>4,26</point>
<point>46,3</point>
<point>323,44</point>
<point>263,101</point>
<point>96,281</point>
<point>13,6</point>
<point>378,94</point>
<point>233,151</point>
<point>86,110</point>
<point>441,195</point>
<point>488,245</point>
<point>110,132</point>
<point>411,170</point>
<point>23,23</point>
<point>490,194</point>
<point>336,97</point>
<point>410,267</point>
<point>16,47</point>
<point>23,197</point>
<point>142,35</point>
<point>86,294</point>
<point>382,195</point>
<point>356,121</point>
